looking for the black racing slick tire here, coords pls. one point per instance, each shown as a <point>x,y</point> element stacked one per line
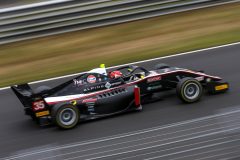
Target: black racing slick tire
<point>65,116</point>
<point>161,66</point>
<point>189,90</point>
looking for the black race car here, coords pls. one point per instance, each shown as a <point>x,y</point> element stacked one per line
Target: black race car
<point>89,96</point>
<point>98,94</point>
<point>189,84</point>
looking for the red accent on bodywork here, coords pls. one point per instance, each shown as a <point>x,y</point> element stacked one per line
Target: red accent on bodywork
<point>89,100</point>
<point>153,79</point>
<point>137,96</point>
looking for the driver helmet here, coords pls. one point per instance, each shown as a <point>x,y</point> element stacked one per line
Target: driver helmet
<point>115,74</point>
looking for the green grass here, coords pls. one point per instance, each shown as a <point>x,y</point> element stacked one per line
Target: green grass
<point>79,51</point>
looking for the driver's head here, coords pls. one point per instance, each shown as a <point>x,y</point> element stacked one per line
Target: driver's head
<point>115,74</point>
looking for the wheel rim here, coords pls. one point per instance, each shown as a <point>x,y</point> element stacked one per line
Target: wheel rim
<point>191,91</point>
<point>67,116</point>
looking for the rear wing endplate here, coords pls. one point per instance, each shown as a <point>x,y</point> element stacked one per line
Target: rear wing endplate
<point>24,94</point>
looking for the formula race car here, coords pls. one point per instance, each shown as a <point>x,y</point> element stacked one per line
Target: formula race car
<point>98,94</point>
<point>89,96</point>
<point>189,84</point>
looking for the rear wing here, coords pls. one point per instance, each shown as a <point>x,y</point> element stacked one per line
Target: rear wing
<point>24,94</point>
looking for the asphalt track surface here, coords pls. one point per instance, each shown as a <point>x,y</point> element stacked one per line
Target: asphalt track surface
<point>191,140</point>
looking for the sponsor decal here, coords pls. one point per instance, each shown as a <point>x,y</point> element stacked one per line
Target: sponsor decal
<point>78,82</point>
<point>91,79</point>
<point>153,79</point>
<point>94,88</point>
<point>43,113</point>
<point>221,87</point>
<point>154,87</point>
<point>91,109</point>
<point>201,78</point>
<point>90,100</point>
<point>116,83</point>
<point>90,103</point>
<point>38,105</point>
<point>108,85</point>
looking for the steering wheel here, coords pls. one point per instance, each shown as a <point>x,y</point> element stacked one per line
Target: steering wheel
<point>132,77</point>
<point>128,77</point>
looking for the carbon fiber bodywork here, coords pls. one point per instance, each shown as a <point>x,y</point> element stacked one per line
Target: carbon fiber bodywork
<point>93,100</point>
<point>96,95</point>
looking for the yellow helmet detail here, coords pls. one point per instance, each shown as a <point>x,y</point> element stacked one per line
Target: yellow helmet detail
<point>129,70</point>
<point>102,65</point>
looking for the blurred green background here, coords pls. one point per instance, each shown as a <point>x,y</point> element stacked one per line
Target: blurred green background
<point>74,52</point>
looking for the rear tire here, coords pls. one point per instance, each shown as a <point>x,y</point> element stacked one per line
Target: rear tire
<point>189,90</point>
<point>65,116</point>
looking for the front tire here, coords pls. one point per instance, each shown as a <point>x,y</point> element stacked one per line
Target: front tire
<point>65,116</point>
<point>189,90</point>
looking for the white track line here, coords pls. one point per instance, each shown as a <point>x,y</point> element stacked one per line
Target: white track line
<point>128,134</point>
<point>178,147</point>
<point>173,148</point>
<point>148,60</point>
<point>210,151</point>
<point>231,158</point>
<point>140,144</point>
<point>135,140</point>
<point>197,148</point>
<point>182,140</point>
<point>223,154</point>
